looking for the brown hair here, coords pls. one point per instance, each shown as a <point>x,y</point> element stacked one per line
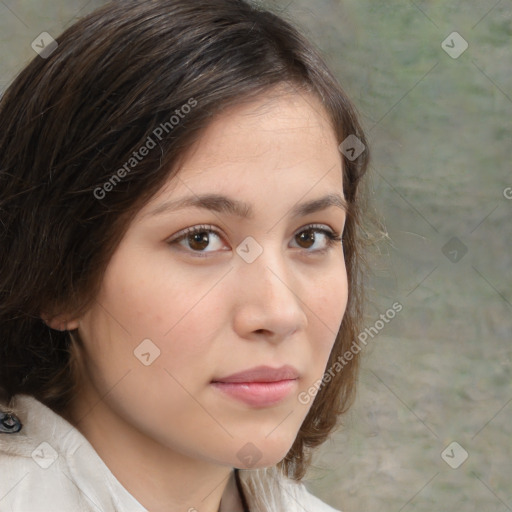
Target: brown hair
<point>74,117</point>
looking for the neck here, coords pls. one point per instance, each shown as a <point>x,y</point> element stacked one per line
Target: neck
<point>160,478</point>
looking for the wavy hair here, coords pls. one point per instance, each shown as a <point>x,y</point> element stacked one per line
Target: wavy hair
<point>73,116</point>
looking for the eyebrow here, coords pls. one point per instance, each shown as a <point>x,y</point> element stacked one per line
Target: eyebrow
<point>223,204</point>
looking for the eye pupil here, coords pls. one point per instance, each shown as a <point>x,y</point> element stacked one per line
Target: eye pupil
<point>199,238</point>
<point>307,234</point>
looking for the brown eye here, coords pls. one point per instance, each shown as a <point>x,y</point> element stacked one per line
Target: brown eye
<point>309,237</point>
<point>199,238</point>
<point>198,241</point>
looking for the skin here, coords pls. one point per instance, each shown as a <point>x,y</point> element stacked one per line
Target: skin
<point>167,435</point>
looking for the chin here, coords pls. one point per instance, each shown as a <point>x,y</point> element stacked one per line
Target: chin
<point>256,455</point>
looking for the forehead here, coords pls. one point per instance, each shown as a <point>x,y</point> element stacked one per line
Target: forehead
<point>265,122</point>
<point>279,136</point>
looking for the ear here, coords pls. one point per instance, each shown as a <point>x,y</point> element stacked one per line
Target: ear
<point>60,322</point>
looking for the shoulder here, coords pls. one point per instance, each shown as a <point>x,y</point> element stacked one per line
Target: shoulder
<point>316,504</point>
<point>31,469</point>
<point>308,501</point>
<point>50,466</point>
<point>269,490</point>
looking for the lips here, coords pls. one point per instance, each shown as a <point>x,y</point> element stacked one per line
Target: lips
<point>261,374</point>
<point>261,386</point>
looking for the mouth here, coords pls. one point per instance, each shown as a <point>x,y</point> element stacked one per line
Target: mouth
<point>261,386</point>
<point>262,374</point>
<point>257,394</point>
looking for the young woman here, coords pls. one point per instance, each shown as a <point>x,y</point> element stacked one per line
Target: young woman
<point>180,255</point>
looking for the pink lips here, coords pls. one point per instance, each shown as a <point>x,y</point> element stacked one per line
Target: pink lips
<point>260,386</point>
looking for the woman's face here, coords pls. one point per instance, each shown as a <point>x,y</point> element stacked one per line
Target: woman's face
<point>176,313</point>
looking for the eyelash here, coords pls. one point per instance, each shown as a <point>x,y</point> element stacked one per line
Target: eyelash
<point>332,238</point>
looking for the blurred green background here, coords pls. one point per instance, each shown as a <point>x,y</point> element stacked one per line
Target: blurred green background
<point>441,141</point>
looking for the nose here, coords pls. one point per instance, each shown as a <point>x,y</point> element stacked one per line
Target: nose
<point>269,298</point>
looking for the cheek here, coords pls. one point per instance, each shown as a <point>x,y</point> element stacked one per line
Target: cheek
<point>151,300</point>
<point>328,301</point>
<point>175,310</point>
<point>144,320</point>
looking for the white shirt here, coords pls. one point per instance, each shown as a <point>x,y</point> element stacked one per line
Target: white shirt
<point>49,466</point>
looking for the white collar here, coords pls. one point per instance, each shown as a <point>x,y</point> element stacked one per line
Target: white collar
<point>265,489</point>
